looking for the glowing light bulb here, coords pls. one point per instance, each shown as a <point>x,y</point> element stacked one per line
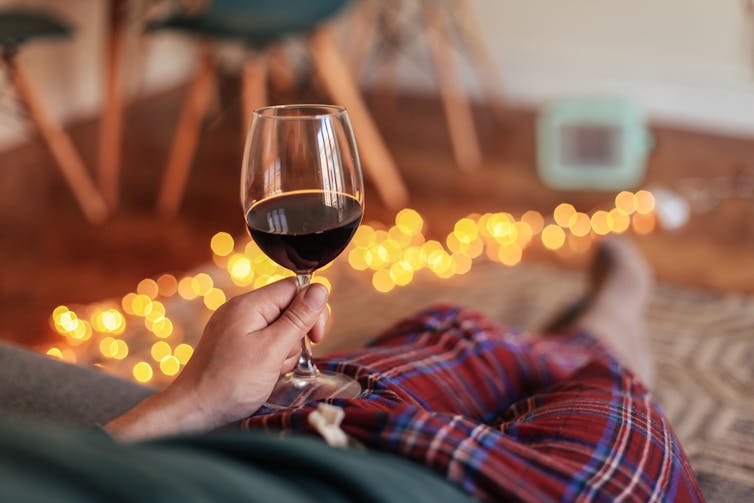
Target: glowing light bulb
<point>160,350</point>
<point>202,283</point>
<point>183,352</point>
<point>156,313</point>
<point>643,223</point>
<point>553,237</point>
<point>162,328</point>
<point>599,223</point>
<point>170,365</point>
<point>107,346</point>
<point>644,202</point>
<point>239,268</point>
<point>222,244</point>
<point>624,201</point>
<point>119,349</point>
<point>55,353</point>
<point>142,372</point>
<point>562,214</point>
<point>127,303</point>
<point>466,230</point>
<point>141,305</point>
<point>409,221</point>
<point>167,285</point>
<point>382,282</point>
<point>357,258</point>
<point>364,236</point>
<point>579,224</point>
<point>618,220</point>
<point>510,255</point>
<point>414,257</point>
<point>148,287</point>
<point>401,273</point>
<point>535,220</point>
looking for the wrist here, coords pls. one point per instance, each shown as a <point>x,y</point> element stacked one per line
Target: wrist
<point>167,412</point>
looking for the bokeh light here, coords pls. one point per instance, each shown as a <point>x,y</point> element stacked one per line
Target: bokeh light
<point>148,287</point>
<point>222,244</point>
<point>624,201</point>
<point>183,352</point>
<point>142,372</point>
<point>170,365</point>
<point>553,237</point>
<point>562,214</point>
<point>167,285</point>
<point>644,202</point>
<point>409,221</point>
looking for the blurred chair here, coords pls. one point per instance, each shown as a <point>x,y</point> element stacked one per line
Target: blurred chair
<point>17,27</point>
<point>259,25</point>
<point>386,28</point>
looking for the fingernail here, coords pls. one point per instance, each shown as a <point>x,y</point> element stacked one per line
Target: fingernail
<point>315,296</point>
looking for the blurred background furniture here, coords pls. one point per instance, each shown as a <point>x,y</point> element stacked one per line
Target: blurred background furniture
<point>259,25</point>
<point>383,31</point>
<point>18,26</point>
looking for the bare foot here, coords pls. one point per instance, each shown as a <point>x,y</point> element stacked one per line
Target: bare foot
<point>613,309</point>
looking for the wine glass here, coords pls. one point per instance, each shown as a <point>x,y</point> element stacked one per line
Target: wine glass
<point>302,194</point>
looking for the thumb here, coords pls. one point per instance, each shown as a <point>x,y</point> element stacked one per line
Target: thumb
<point>300,316</point>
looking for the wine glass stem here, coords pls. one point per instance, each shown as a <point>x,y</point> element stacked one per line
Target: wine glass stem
<point>305,367</point>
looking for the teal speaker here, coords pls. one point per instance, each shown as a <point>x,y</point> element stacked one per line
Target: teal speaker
<point>592,144</point>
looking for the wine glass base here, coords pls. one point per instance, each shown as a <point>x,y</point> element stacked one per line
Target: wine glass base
<point>293,391</point>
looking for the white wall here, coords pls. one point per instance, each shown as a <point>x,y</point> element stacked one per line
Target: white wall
<point>687,61</point>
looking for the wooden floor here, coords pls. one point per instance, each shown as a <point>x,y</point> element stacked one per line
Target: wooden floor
<point>49,255</point>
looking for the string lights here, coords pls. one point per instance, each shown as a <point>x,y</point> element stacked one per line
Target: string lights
<point>145,336</point>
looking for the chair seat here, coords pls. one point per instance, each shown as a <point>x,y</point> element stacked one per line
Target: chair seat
<point>255,22</point>
<point>18,26</point>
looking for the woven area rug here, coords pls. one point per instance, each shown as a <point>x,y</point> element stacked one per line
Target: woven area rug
<point>703,345</point>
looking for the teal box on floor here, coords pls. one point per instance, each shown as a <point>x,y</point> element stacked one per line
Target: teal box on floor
<point>591,143</point>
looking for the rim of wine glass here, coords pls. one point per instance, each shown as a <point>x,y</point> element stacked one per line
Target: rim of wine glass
<point>268,112</point>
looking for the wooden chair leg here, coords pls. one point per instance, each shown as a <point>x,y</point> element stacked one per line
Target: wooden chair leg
<point>378,163</point>
<point>483,64</point>
<point>111,126</point>
<point>187,135</point>
<point>282,76</point>
<point>458,114</point>
<point>362,32</point>
<point>253,87</point>
<point>71,166</point>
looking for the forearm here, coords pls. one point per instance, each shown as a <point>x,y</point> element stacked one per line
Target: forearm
<point>168,412</point>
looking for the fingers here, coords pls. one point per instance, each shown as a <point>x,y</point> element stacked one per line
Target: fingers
<point>300,317</point>
<point>317,332</point>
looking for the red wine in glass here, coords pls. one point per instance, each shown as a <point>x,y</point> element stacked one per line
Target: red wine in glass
<point>304,230</point>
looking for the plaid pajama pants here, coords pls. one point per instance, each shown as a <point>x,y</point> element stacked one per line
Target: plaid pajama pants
<point>506,415</point>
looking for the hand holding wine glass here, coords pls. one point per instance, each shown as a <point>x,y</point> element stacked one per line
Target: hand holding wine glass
<point>302,194</point>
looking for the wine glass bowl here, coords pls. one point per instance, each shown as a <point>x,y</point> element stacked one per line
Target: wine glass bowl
<point>302,195</point>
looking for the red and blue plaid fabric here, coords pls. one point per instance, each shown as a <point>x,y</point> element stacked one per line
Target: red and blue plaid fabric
<point>506,415</point>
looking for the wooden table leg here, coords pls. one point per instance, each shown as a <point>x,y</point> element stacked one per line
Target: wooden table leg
<point>253,87</point>
<point>187,135</point>
<point>458,114</point>
<point>378,163</point>
<point>111,126</point>
<point>71,166</point>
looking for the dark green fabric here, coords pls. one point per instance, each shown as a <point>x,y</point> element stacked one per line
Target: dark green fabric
<point>255,22</point>
<point>48,463</point>
<point>18,26</point>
